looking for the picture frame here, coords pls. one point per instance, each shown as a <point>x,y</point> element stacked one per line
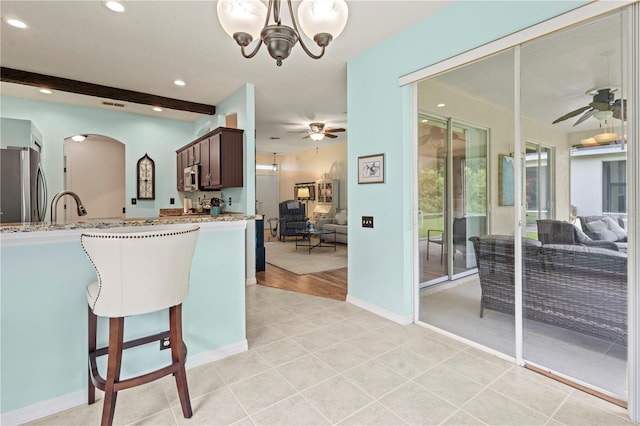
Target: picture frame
<point>371,169</point>
<point>505,180</point>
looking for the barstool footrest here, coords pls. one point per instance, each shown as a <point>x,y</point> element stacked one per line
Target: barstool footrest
<point>133,343</point>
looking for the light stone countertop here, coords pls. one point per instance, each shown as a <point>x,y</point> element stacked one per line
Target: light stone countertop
<point>121,223</point>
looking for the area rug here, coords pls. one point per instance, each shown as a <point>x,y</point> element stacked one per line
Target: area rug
<point>284,255</point>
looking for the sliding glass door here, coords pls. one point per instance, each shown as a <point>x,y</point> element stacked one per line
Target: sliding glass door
<point>452,195</point>
<point>535,202</point>
<point>539,187</point>
<point>455,128</point>
<point>574,296</point>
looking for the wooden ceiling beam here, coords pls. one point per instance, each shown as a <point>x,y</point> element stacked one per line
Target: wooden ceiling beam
<point>11,75</point>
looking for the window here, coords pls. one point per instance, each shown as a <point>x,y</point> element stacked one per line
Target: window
<point>614,186</point>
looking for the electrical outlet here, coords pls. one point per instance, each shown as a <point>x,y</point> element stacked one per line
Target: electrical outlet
<point>165,343</point>
<point>133,201</point>
<point>367,221</point>
<point>172,200</point>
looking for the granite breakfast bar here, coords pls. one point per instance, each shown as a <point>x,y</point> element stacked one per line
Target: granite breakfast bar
<point>43,308</point>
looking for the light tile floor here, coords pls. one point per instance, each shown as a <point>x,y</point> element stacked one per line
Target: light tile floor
<point>594,361</point>
<point>315,361</point>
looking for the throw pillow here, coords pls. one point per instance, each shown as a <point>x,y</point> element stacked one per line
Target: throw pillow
<point>582,237</point>
<point>605,235</point>
<point>341,217</point>
<point>598,225</point>
<point>613,226</point>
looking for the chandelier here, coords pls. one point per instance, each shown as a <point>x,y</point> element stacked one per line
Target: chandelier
<point>245,20</point>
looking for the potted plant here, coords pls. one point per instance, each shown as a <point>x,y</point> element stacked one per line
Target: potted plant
<point>216,206</point>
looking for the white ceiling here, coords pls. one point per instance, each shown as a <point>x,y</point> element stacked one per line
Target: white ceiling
<point>155,42</point>
<point>556,73</point>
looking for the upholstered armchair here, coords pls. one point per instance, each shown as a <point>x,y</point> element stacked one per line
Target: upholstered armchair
<point>292,218</point>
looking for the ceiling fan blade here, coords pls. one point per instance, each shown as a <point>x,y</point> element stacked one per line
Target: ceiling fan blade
<point>586,116</point>
<point>571,114</point>
<point>306,137</point>
<point>329,135</point>
<point>335,130</point>
<point>619,109</point>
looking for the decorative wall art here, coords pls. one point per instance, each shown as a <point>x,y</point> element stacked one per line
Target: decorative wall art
<point>506,180</point>
<point>371,169</point>
<point>146,178</point>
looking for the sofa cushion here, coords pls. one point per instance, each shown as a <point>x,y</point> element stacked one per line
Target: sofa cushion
<point>340,229</point>
<point>341,217</point>
<point>613,226</point>
<point>605,235</point>
<point>586,249</point>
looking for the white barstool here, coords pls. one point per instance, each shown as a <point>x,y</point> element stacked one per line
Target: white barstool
<point>138,273</point>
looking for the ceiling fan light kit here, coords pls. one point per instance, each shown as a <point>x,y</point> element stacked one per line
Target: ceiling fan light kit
<point>604,105</point>
<point>317,132</point>
<point>246,20</point>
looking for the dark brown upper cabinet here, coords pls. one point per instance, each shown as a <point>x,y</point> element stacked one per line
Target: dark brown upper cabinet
<point>219,155</point>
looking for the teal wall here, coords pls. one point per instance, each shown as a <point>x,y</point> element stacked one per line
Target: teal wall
<point>43,315</point>
<point>381,259</point>
<point>242,103</point>
<point>141,134</point>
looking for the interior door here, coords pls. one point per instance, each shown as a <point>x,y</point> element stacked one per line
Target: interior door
<point>267,193</point>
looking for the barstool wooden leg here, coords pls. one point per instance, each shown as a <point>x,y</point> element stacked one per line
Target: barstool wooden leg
<point>178,356</point>
<point>116,335</point>
<point>93,327</point>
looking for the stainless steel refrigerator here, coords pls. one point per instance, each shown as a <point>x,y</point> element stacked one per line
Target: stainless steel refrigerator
<point>24,189</point>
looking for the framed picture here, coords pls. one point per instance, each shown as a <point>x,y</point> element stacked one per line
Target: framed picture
<point>506,181</point>
<point>371,169</point>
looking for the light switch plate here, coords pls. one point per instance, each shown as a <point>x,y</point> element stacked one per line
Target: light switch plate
<point>367,221</point>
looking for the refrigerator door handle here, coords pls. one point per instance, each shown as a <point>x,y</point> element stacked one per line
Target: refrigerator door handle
<point>41,195</point>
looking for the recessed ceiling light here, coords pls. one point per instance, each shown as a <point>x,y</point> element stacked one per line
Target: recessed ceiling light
<point>157,109</point>
<point>179,83</point>
<point>16,23</point>
<point>46,91</point>
<point>425,120</point>
<point>440,105</point>
<point>115,6</point>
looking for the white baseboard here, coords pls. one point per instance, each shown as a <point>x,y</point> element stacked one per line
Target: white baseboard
<point>43,408</point>
<point>64,402</point>
<point>217,354</point>
<point>375,309</point>
<point>250,281</point>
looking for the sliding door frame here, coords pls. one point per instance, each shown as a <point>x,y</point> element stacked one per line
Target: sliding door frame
<point>631,56</point>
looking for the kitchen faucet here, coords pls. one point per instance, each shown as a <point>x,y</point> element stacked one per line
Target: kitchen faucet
<point>54,205</point>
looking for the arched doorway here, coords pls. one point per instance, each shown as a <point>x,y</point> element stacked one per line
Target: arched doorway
<point>95,170</point>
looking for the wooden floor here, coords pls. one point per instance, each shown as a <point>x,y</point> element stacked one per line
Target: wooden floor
<point>330,284</point>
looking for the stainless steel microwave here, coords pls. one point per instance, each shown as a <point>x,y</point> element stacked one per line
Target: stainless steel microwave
<point>191,178</point>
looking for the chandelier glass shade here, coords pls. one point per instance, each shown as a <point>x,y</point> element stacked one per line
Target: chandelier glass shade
<point>248,20</point>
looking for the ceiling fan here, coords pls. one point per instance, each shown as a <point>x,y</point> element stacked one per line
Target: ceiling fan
<point>318,132</point>
<point>603,101</point>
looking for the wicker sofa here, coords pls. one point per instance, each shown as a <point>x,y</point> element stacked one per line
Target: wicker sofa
<point>579,288</point>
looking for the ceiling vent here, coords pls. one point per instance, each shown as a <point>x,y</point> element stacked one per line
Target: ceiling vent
<point>113,104</point>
